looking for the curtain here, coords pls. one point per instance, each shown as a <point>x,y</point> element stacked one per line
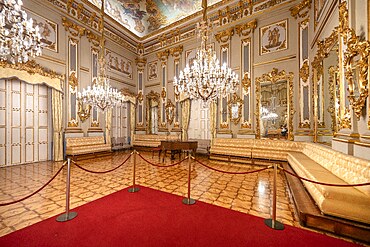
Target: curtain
<point>213,120</point>
<point>185,113</point>
<point>57,103</point>
<point>132,121</point>
<point>108,125</point>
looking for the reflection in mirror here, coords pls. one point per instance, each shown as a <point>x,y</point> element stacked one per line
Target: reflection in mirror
<point>274,105</point>
<point>274,109</point>
<point>235,106</point>
<point>152,112</point>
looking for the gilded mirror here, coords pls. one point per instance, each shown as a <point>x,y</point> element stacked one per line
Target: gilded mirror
<point>152,112</point>
<point>274,105</point>
<point>170,111</point>
<point>235,106</point>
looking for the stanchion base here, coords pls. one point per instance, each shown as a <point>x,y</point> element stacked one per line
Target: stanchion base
<point>188,201</point>
<point>133,189</point>
<point>65,217</point>
<point>274,224</point>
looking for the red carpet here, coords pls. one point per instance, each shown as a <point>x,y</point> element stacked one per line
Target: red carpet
<point>154,218</point>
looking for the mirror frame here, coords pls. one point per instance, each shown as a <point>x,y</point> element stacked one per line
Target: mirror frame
<point>170,107</point>
<point>273,77</point>
<point>354,47</point>
<point>235,100</point>
<point>155,97</point>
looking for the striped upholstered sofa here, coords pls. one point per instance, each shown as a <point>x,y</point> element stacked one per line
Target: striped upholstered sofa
<point>86,145</point>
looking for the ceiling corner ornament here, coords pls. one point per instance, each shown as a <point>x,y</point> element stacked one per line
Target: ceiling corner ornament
<point>224,35</point>
<point>304,71</point>
<point>356,61</point>
<point>73,81</point>
<point>20,39</point>
<point>206,79</point>
<point>246,28</point>
<point>301,10</point>
<point>246,82</point>
<point>274,76</point>
<point>83,114</point>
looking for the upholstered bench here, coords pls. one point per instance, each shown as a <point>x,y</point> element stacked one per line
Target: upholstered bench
<point>323,164</point>
<point>86,145</point>
<point>151,141</point>
<point>315,162</point>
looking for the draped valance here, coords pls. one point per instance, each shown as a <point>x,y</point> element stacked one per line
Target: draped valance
<point>32,73</point>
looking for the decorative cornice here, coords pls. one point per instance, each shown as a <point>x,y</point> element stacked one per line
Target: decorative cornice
<point>140,63</point>
<point>176,51</point>
<point>71,27</point>
<point>246,28</point>
<point>224,35</point>
<point>301,10</point>
<point>163,55</point>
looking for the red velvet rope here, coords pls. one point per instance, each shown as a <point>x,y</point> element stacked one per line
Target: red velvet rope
<point>102,172</point>
<point>37,191</point>
<point>327,184</point>
<point>158,165</point>
<point>214,169</point>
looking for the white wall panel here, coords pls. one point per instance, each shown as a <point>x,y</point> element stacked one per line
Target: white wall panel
<point>24,122</point>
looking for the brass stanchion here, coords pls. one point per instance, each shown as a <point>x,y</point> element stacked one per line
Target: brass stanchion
<point>188,200</point>
<point>67,215</point>
<point>134,188</point>
<point>273,223</point>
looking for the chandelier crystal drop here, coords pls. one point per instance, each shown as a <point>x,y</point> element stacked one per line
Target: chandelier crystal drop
<point>101,94</point>
<point>206,79</point>
<point>19,40</point>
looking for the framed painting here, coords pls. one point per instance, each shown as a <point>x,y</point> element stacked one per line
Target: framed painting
<point>274,37</point>
<point>152,70</point>
<point>48,31</point>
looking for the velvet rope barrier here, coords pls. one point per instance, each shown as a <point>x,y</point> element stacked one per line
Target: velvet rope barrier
<point>214,169</point>
<point>102,172</point>
<point>158,165</point>
<point>37,191</point>
<point>321,183</point>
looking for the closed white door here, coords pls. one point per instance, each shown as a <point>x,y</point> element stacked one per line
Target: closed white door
<point>24,122</point>
<point>199,120</point>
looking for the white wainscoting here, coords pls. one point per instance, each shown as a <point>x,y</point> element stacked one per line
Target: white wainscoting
<point>120,121</point>
<point>25,120</point>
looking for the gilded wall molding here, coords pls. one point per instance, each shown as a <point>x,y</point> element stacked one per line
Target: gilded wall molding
<point>304,71</point>
<point>301,10</point>
<point>72,80</point>
<point>140,63</point>
<point>246,28</point>
<point>71,27</point>
<point>83,113</point>
<point>331,109</point>
<point>176,51</point>
<point>224,35</point>
<point>355,57</point>
<point>235,100</point>
<point>246,81</point>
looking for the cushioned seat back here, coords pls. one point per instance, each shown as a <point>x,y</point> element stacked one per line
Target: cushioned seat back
<point>351,169</point>
<point>84,141</point>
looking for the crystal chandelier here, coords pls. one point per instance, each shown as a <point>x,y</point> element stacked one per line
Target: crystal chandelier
<point>206,79</point>
<point>101,94</point>
<point>19,40</point>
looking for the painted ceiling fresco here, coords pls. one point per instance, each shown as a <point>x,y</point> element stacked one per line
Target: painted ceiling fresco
<point>145,16</point>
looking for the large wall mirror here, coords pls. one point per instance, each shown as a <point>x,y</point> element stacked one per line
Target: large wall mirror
<point>152,112</point>
<point>274,105</point>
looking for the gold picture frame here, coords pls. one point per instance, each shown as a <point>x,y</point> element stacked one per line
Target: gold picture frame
<point>274,37</point>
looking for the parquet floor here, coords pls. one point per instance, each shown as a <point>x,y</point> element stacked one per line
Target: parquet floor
<point>251,193</point>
